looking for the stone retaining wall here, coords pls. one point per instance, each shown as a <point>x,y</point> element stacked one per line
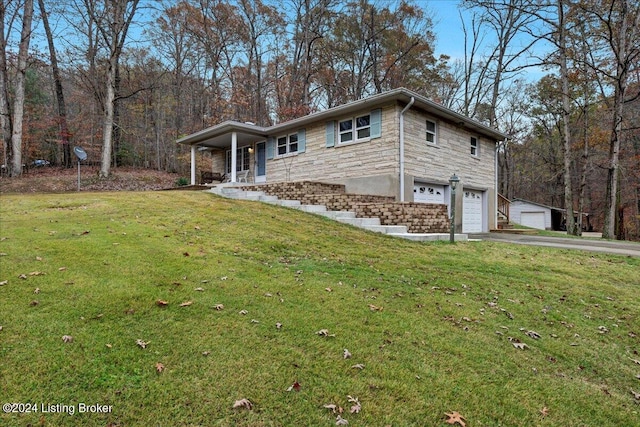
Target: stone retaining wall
<point>418,217</point>
<point>343,202</point>
<point>295,190</point>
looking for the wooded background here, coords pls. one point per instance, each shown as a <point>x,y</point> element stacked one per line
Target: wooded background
<point>125,78</point>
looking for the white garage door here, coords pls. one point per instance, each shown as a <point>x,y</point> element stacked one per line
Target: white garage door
<point>533,220</point>
<point>427,193</point>
<point>472,211</point>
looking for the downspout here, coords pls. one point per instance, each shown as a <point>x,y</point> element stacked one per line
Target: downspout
<point>496,185</point>
<point>402,147</point>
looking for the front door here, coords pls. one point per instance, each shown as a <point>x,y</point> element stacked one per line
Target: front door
<point>261,162</point>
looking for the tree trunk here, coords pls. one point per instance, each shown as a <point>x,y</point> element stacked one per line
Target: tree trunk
<point>62,110</point>
<point>107,132</point>
<point>5,112</point>
<point>566,117</point>
<point>18,105</point>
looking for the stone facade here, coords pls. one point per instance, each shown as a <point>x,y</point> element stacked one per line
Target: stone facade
<point>372,166</point>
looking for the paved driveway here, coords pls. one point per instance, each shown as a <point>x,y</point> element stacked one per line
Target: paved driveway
<point>594,245</point>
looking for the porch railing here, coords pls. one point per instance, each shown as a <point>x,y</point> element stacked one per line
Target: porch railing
<point>503,206</point>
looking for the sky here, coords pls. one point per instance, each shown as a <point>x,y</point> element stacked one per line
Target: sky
<point>447,27</point>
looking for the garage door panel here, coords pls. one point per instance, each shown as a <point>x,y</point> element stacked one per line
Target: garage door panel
<point>472,218</point>
<point>533,220</point>
<point>428,193</point>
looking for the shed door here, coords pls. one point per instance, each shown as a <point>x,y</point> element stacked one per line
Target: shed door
<point>427,193</point>
<point>533,220</point>
<point>472,211</point>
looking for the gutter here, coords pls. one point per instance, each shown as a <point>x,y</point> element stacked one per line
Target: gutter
<point>402,147</point>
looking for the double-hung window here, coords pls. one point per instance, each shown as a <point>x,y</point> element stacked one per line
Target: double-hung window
<point>475,148</point>
<point>432,134</point>
<point>355,129</point>
<point>287,144</point>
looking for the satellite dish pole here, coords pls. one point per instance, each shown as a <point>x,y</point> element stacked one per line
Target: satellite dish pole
<point>81,155</point>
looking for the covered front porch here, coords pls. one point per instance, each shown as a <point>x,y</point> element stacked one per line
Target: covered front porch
<point>239,151</point>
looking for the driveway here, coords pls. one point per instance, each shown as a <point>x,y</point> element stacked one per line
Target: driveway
<point>603,246</point>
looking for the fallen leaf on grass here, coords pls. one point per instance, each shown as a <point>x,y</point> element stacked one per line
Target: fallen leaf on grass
<point>4,282</point>
<point>219,307</point>
<point>346,354</point>
<point>108,345</point>
<point>635,395</point>
<point>62,269</point>
<point>333,408</point>
<point>295,386</point>
<point>186,304</point>
<point>375,308</point>
<point>199,289</point>
<point>159,367</point>
<point>67,338</point>
<point>637,362</point>
<point>341,421</point>
<point>278,325</point>
<point>162,303</point>
<point>206,353</point>
<point>36,291</point>
<point>34,303</point>
<point>328,289</point>
<point>533,334</point>
<point>142,344</point>
<point>358,366</point>
<point>242,404</point>
<point>243,312</point>
<point>37,273</point>
<point>454,418</point>
<point>325,333</point>
<point>544,411</point>
<point>22,276</point>
<point>356,407</point>
<point>520,345</point>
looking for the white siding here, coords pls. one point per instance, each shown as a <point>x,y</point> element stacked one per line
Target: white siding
<point>519,207</point>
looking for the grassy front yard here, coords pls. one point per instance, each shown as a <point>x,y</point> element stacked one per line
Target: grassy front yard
<point>175,305</point>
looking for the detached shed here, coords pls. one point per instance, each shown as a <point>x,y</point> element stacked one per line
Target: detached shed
<point>535,215</point>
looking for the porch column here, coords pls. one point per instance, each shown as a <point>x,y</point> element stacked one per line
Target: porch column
<point>193,165</point>
<point>234,155</point>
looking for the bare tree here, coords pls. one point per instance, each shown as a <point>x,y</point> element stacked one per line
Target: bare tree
<point>18,104</point>
<point>57,80</point>
<point>5,111</point>
<point>616,52</point>
<point>112,19</point>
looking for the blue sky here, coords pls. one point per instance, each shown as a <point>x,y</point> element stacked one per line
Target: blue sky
<point>447,27</point>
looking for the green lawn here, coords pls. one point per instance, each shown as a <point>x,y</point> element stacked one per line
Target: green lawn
<point>435,327</point>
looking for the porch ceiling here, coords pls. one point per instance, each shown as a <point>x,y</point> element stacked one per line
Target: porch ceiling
<point>219,136</point>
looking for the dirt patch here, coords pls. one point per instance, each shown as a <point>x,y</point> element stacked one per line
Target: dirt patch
<point>59,180</point>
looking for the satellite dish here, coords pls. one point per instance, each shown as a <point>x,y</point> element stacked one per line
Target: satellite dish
<point>80,153</point>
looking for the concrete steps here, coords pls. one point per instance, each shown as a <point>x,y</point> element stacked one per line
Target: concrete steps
<point>345,217</point>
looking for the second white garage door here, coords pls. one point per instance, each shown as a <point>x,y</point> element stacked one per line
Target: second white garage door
<point>533,220</point>
<point>472,211</point>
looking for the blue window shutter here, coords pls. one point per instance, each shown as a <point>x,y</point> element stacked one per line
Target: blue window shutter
<point>302,141</point>
<point>376,123</point>
<point>331,134</point>
<point>271,147</point>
